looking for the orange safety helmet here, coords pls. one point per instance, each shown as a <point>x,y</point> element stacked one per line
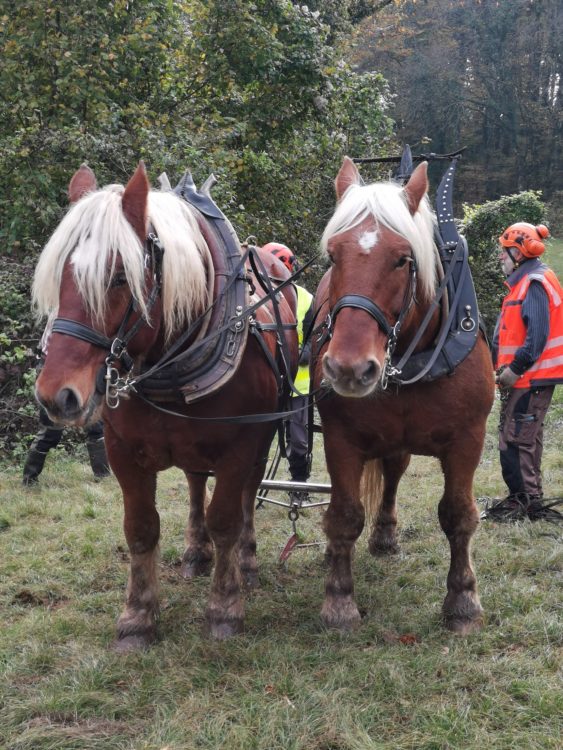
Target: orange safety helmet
<point>525,237</point>
<point>281,252</point>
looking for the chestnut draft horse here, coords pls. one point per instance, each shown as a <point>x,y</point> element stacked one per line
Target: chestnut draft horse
<point>380,242</point>
<point>101,280</point>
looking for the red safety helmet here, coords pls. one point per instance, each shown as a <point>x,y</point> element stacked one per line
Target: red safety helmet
<point>281,252</point>
<point>525,237</point>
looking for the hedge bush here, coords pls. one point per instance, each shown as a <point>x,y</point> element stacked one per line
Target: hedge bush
<point>482,225</point>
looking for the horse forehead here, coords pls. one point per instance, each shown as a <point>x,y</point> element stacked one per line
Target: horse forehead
<point>367,237</point>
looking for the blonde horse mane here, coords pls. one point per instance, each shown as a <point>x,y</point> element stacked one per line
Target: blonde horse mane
<point>386,203</point>
<point>95,231</point>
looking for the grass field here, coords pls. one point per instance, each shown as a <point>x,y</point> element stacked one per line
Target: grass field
<point>400,681</point>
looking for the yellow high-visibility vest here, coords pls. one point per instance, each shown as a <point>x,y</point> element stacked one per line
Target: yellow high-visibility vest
<point>304,299</point>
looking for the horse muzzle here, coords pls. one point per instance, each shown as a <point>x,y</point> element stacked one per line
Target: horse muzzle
<point>354,379</point>
<point>67,408</point>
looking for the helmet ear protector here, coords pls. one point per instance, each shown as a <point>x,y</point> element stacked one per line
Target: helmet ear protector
<point>526,238</point>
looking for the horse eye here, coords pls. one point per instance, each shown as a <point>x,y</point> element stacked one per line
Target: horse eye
<point>118,280</point>
<point>402,261</point>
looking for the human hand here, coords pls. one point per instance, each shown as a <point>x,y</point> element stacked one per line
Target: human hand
<point>507,378</point>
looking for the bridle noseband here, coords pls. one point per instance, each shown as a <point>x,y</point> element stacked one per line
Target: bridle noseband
<point>109,380</point>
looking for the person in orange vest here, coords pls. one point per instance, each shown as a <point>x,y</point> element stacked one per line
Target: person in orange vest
<point>528,356</point>
<point>297,434</point>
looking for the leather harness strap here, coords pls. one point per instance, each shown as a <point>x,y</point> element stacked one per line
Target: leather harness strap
<point>361,302</point>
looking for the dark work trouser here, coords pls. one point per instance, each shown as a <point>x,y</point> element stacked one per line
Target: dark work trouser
<point>521,438</point>
<point>297,437</point>
<point>49,436</point>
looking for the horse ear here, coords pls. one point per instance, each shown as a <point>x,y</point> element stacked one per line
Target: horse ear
<point>83,181</point>
<point>417,187</point>
<point>134,201</point>
<point>347,176</point>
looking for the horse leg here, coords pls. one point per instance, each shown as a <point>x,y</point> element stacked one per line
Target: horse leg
<point>198,556</point>
<point>225,610</point>
<point>383,539</point>
<point>459,518</point>
<point>343,523</point>
<point>136,626</point>
<point>247,543</point>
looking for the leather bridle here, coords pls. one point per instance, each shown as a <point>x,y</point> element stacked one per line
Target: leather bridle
<point>361,302</point>
<point>109,378</point>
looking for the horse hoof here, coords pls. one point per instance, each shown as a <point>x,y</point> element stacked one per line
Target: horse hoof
<point>221,630</point>
<point>345,618</point>
<point>196,568</point>
<point>131,643</point>
<point>463,626</point>
<point>380,547</point>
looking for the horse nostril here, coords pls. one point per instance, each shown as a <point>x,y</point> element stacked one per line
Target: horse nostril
<point>331,369</point>
<point>368,373</point>
<point>67,402</point>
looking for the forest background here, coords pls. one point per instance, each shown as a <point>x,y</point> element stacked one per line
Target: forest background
<point>269,96</point>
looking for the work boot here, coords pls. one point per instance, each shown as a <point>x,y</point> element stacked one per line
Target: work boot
<point>98,458</point>
<point>33,467</point>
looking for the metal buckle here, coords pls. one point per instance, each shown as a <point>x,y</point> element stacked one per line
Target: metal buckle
<point>116,386</point>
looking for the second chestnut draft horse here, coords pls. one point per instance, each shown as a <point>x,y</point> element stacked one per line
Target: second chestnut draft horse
<point>380,242</point>
<point>105,282</point>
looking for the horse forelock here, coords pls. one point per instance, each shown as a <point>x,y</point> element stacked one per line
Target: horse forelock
<point>94,234</point>
<point>385,202</point>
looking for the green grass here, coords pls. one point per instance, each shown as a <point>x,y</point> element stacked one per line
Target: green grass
<point>286,683</point>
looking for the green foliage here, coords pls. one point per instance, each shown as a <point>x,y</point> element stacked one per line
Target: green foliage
<point>482,226</point>
<point>18,337</point>
<point>225,86</point>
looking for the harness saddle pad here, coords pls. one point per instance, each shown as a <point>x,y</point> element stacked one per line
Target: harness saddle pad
<point>201,372</point>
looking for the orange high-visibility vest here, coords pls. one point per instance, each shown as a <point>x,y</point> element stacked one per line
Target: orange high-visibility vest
<point>548,368</point>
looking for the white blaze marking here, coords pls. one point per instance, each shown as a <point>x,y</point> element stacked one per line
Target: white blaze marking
<point>367,240</point>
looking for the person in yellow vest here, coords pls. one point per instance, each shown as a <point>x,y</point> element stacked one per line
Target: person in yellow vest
<point>528,355</point>
<point>297,435</point>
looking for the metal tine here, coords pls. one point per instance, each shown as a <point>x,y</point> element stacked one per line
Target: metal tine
<point>208,184</point>
<point>164,182</point>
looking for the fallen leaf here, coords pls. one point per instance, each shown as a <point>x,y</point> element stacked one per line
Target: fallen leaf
<point>409,639</point>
